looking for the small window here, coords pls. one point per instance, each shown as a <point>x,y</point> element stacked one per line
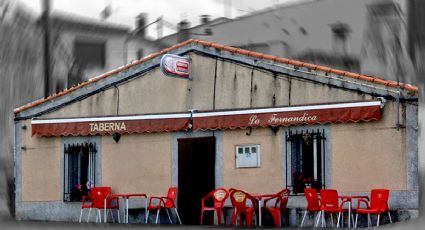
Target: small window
<point>303,31</point>
<point>247,156</point>
<point>305,159</point>
<point>140,54</point>
<point>79,170</point>
<point>90,54</point>
<point>341,32</point>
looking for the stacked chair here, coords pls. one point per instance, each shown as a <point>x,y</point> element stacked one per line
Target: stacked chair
<point>219,197</point>
<point>279,207</point>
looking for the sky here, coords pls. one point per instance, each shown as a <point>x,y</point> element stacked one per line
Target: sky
<point>173,11</point>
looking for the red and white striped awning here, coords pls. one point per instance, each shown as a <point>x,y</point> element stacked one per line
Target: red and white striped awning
<point>230,119</point>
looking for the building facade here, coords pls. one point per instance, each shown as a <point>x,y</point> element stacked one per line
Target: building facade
<point>241,120</point>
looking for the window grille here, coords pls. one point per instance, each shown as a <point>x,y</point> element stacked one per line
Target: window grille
<point>79,170</point>
<point>305,159</point>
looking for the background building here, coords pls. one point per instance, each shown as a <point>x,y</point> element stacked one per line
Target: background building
<point>81,48</point>
<point>373,37</point>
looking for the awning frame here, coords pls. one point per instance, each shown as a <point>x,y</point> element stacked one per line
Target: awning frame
<point>210,120</point>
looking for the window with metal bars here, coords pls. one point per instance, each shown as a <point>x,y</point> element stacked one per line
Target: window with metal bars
<point>305,164</point>
<point>79,170</point>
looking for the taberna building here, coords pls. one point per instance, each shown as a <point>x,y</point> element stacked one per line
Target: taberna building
<point>201,115</point>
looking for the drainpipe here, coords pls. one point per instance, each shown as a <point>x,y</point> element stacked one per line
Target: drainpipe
<point>46,27</point>
<point>398,107</point>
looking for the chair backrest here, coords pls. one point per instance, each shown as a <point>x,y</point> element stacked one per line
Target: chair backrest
<point>171,195</point>
<point>98,195</point>
<point>379,199</point>
<point>238,199</point>
<point>329,198</point>
<point>313,202</point>
<point>282,199</point>
<point>219,196</point>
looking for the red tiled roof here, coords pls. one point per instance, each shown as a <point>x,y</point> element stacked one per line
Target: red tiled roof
<point>375,80</point>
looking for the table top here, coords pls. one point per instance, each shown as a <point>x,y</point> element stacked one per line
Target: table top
<point>127,195</point>
<point>349,197</point>
<point>261,196</point>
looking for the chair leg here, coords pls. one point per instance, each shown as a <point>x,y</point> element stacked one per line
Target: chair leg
<point>369,221</point>
<point>147,216</point>
<point>332,220</point>
<point>337,221</point>
<point>286,219</point>
<point>169,218</point>
<point>302,221</point>
<point>178,217</point>
<point>377,221</point>
<point>157,215</point>
<point>81,215</point>
<point>88,217</point>
<point>355,222</point>
<point>279,221</point>
<point>104,216</point>
<point>202,216</point>
<point>319,216</point>
<point>218,216</point>
<point>118,216</point>
<point>248,220</point>
<point>112,216</point>
<point>98,217</point>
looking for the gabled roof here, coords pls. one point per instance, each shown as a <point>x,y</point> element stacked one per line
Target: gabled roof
<point>70,21</point>
<point>273,63</point>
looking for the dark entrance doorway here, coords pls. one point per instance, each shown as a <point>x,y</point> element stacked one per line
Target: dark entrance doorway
<point>196,175</point>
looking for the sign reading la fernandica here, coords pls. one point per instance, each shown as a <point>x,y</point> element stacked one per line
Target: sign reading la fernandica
<point>284,116</point>
<point>320,114</point>
<point>175,66</point>
<point>276,120</point>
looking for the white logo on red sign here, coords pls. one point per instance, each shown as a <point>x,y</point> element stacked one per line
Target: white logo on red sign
<point>175,66</point>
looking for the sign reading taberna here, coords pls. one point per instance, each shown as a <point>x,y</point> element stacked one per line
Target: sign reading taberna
<point>175,66</point>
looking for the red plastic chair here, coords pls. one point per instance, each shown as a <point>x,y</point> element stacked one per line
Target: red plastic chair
<point>313,203</point>
<point>167,202</point>
<point>219,196</point>
<point>378,204</point>
<point>330,204</point>
<point>279,208</point>
<point>85,205</point>
<point>239,201</point>
<point>98,195</point>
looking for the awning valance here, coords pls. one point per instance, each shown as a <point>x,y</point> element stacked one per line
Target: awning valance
<point>197,121</point>
<point>111,125</point>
